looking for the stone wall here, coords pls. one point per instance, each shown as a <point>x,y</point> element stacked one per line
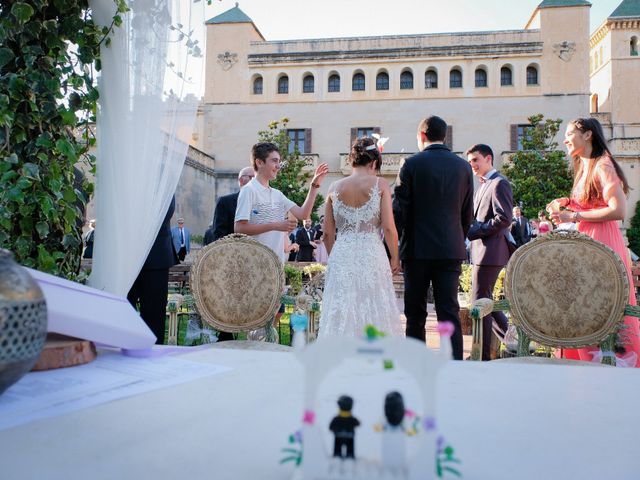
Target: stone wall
<point>196,192</point>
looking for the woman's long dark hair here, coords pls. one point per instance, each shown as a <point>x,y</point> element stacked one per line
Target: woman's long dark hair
<point>599,150</point>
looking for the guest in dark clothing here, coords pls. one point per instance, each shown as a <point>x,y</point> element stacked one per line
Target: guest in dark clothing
<point>318,228</point>
<point>433,210</point>
<point>225,213</point>
<point>490,252</point>
<point>224,218</point>
<point>151,287</point>
<point>293,253</point>
<point>208,235</point>
<point>305,238</point>
<point>88,240</point>
<point>520,229</point>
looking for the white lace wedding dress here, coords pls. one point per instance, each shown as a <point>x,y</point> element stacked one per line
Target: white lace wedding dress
<point>358,283</point>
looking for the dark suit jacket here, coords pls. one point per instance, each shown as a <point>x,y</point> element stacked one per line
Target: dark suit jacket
<point>520,232</point>
<point>318,231</point>
<point>493,210</point>
<point>305,254</point>
<point>225,215</point>
<point>292,239</point>
<point>162,254</point>
<point>433,205</point>
<point>208,236</point>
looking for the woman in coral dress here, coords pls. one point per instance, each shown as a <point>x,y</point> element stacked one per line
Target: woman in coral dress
<point>597,205</point>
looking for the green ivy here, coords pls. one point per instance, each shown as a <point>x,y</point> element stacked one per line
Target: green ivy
<point>291,180</point>
<point>48,50</point>
<point>540,172</point>
<point>293,278</point>
<point>633,232</point>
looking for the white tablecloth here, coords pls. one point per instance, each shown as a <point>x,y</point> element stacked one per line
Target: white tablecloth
<point>506,421</point>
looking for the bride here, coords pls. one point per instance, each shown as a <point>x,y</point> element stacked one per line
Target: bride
<point>358,284</point>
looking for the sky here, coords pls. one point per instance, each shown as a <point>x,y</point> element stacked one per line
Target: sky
<point>299,19</point>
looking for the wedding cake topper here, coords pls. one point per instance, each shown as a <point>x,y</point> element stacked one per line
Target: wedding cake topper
<point>385,425</point>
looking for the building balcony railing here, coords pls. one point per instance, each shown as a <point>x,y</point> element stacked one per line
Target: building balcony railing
<point>311,161</point>
<point>391,163</point>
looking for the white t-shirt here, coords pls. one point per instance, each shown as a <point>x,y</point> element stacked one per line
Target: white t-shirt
<point>259,205</point>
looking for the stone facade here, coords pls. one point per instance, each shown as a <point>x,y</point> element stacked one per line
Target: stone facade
<point>484,84</point>
<point>615,72</point>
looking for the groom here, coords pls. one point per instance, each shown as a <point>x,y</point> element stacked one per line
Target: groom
<point>433,209</point>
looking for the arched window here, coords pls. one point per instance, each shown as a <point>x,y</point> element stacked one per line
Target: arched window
<point>633,46</point>
<point>308,84</point>
<point>257,86</point>
<point>406,80</point>
<point>532,75</point>
<point>357,83</point>
<point>455,78</point>
<point>481,77</point>
<point>334,83</point>
<point>506,76</point>
<point>283,84</point>
<point>382,81</point>
<point>431,79</point>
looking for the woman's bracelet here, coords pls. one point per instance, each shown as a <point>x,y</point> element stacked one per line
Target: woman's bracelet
<point>575,217</point>
<point>315,185</point>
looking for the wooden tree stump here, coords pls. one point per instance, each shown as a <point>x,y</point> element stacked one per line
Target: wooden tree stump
<point>61,351</point>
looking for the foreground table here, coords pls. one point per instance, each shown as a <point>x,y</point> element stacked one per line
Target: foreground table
<point>506,421</point>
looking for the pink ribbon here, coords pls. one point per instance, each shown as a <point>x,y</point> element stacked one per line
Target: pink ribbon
<point>309,417</point>
<point>446,329</point>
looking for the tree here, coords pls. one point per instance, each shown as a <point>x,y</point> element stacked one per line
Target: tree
<point>540,172</point>
<point>291,180</point>
<point>633,233</point>
<point>47,96</point>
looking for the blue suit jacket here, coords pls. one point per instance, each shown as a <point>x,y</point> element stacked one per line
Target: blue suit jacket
<point>175,236</point>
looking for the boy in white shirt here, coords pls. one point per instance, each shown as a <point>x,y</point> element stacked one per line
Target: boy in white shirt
<point>262,210</point>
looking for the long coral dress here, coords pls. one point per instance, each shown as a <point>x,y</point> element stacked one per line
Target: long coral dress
<point>607,232</point>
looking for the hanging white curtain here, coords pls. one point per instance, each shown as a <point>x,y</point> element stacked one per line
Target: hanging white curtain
<point>149,85</point>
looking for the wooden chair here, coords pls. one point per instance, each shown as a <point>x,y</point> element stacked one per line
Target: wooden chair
<point>563,290</point>
<point>179,277</point>
<point>237,284</point>
<point>309,301</point>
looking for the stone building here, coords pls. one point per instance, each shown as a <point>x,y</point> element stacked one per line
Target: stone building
<point>615,89</point>
<point>484,84</point>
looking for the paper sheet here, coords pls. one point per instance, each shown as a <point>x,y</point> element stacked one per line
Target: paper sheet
<point>110,376</point>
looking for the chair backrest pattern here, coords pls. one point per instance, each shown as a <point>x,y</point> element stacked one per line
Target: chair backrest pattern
<point>237,283</point>
<point>566,290</point>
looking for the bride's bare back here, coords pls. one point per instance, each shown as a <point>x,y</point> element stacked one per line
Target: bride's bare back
<point>355,191</point>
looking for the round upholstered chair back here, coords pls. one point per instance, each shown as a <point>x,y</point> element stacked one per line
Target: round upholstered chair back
<point>566,290</point>
<point>237,283</point>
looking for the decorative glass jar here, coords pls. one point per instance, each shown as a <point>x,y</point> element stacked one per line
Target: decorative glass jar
<point>23,321</point>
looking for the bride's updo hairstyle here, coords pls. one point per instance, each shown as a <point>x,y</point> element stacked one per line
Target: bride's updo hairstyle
<point>364,151</point>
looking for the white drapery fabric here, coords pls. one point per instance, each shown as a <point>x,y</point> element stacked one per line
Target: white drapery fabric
<point>149,85</point>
